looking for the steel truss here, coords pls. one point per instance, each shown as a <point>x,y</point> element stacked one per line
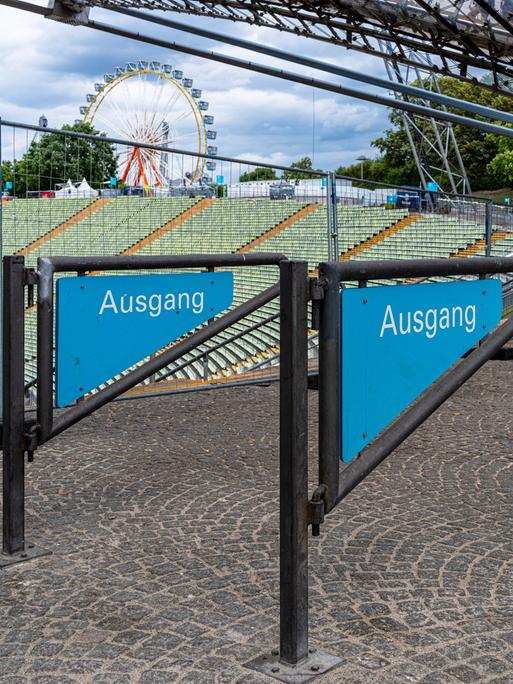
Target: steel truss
<point>433,143</point>
<point>459,34</point>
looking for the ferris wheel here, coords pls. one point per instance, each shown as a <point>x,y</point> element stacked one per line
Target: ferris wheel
<point>152,103</point>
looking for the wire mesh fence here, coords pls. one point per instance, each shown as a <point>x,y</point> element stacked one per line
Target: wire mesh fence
<point>64,195</point>
<point>402,223</point>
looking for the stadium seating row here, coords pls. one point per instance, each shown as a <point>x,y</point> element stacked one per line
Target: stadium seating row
<point>25,220</point>
<point>181,225</point>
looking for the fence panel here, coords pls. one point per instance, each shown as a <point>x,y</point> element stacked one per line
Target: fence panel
<point>64,197</point>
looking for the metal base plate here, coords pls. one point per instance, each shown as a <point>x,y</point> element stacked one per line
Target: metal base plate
<point>30,553</point>
<point>317,663</point>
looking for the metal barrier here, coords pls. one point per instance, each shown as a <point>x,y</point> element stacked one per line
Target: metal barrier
<point>302,213</point>
<point>21,435</point>
<point>331,275</point>
<point>295,660</point>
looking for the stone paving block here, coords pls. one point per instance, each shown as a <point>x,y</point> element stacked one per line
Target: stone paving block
<point>162,516</point>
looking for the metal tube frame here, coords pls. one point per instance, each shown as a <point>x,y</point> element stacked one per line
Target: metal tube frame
<point>13,401</point>
<point>46,269</point>
<point>21,435</point>
<point>334,483</point>
<point>294,662</point>
<point>369,79</point>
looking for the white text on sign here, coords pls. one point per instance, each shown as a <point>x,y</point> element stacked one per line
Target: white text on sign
<point>429,322</point>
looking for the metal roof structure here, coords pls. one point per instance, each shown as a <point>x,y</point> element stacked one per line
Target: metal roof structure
<point>460,35</point>
<point>417,39</point>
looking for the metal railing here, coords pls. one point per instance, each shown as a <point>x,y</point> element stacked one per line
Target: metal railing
<point>307,214</point>
<point>21,435</point>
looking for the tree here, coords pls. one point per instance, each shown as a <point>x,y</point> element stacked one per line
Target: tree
<point>55,157</point>
<point>396,165</point>
<point>258,174</point>
<point>304,165</point>
<point>501,166</point>
<point>7,173</point>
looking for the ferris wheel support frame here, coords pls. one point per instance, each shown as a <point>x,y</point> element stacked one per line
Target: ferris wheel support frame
<point>136,156</point>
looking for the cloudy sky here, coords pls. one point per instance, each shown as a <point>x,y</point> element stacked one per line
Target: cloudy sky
<point>48,67</point>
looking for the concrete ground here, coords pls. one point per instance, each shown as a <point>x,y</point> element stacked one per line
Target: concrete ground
<point>162,518</point>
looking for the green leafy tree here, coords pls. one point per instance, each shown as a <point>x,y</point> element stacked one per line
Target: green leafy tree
<point>396,165</point>
<point>258,174</point>
<point>54,158</point>
<point>501,166</point>
<point>303,166</point>
<point>7,173</point>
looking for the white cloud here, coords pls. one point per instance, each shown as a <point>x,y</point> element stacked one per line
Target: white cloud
<point>48,67</point>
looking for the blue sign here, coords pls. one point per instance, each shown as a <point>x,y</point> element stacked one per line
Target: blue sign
<point>113,181</point>
<point>106,324</point>
<point>397,340</point>
<point>432,186</point>
<point>220,180</point>
<point>8,185</point>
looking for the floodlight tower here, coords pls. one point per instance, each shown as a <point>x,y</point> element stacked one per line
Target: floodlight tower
<point>433,143</point>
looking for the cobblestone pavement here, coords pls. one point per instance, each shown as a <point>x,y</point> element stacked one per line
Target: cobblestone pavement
<point>162,516</point>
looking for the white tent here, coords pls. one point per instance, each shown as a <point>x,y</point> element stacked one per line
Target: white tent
<point>71,191</point>
<point>85,190</point>
<point>66,190</point>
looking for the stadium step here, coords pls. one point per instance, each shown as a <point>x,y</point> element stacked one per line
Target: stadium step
<point>79,216</point>
<point>278,228</point>
<point>170,225</point>
<point>379,237</point>
<point>479,245</point>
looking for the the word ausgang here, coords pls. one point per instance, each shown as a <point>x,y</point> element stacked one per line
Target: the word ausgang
<point>153,304</point>
<point>428,322</point>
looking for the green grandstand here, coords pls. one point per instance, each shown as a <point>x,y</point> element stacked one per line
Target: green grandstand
<point>182,225</point>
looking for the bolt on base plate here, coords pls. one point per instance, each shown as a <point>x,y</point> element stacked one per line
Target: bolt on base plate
<point>30,553</point>
<point>317,663</point>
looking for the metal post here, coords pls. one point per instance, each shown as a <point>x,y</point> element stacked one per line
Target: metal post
<point>294,662</point>
<point>329,217</point>
<point>13,401</point>
<point>293,463</point>
<point>14,547</point>
<point>488,227</point>
<point>334,219</point>
<point>45,318</point>
<point>1,257</point>
<point>329,385</point>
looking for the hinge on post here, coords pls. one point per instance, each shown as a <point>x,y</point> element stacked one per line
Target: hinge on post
<point>31,279</point>
<point>316,509</point>
<point>31,437</point>
<point>317,288</point>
